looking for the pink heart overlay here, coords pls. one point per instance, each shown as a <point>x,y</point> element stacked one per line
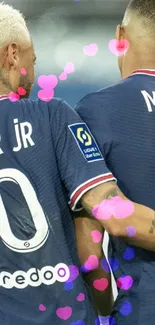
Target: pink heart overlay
<point>74,273</point>
<point>101,284</point>
<point>119,47</point>
<point>96,236</point>
<point>80,297</point>
<point>21,91</point>
<point>122,208</point>
<point>64,313</point>
<point>125,282</point>
<point>23,71</point>
<point>116,207</point>
<point>45,94</point>
<point>92,263</point>
<point>13,97</point>
<point>131,231</point>
<point>63,76</point>
<point>42,307</point>
<point>48,82</point>
<point>102,211</point>
<point>91,49</point>
<point>69,68</point>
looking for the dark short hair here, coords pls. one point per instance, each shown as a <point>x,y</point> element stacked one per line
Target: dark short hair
<point>144,8</point>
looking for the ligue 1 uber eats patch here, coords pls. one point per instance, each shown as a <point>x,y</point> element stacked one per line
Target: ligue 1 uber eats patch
<point>85,142</point>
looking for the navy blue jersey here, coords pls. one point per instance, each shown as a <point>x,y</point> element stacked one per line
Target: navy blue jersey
<point>48,159</point>
<point>122,119</point>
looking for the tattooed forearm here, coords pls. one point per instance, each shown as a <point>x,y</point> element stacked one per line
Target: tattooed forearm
<point>114,191</point>
<point>98,194</point>
<point>151,231</point>
<point>142,218</point>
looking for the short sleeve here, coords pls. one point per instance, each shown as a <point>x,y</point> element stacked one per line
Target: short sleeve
<point>94,110</point>
<point>80,161</point>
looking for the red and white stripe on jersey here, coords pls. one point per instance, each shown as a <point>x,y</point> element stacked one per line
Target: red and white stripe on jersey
<point>83,188</point>
<point>149,72</point>
<point>3,97</point>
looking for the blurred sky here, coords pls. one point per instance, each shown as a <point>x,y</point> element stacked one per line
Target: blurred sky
<point>58,40</point>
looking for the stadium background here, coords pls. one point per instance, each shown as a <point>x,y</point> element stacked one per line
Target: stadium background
<point>60,29</point>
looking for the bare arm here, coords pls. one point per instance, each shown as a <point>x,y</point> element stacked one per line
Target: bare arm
<point>142,219</point>
<point>84,226</point>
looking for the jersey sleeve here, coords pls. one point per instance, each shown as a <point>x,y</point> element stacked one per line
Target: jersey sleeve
<point>80,161</point>
<point>94,110</point>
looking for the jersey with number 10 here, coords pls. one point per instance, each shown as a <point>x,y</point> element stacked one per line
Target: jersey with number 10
<point>48,158</point>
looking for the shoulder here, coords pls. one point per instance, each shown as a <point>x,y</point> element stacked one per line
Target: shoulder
<point>42,108</point>
<point>103,98</point>
<point>52,104</point>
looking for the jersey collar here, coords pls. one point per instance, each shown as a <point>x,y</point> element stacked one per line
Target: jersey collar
<point>148,72</point>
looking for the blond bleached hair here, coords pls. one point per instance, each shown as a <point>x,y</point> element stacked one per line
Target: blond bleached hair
<point>12,26</point>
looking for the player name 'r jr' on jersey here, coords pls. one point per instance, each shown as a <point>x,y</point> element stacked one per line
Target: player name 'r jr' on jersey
<point>48,159</point>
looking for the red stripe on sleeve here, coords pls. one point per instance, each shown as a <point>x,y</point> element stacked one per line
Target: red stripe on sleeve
<point>88,185</point>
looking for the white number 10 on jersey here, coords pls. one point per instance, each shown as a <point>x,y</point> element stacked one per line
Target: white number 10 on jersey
<point>38,216</point>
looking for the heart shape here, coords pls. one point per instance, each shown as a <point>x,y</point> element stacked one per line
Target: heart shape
<point>116,207</point>
<point>80,297</point>
<point>96,236</point>
<point>79,322</point>
<point>48,82</point>
<point>105,265</point>
<point>119,47</point>
<point>131,231</point>
<point>68,286</point>
<point>74,272</point>
<point>92,263</point>
<point>103,210</point>
<point>23,71</point>
<point>42,307</point>
<point>122,208</point>
<point>125,282</point>
<point>69,68</point>
<point>91,49</point>
<point>13,97</point>
<point>64,312</point>
<point>63,76</point>
<point>100,284</point>
<point>114,264</point>
<point>126,308</point>
<point>45,94</point>
<point>129,254</point>
<point>21,91</point>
